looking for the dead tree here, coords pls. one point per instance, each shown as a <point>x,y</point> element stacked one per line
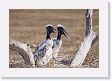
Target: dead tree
<point>89,40</point>
<point>90,37</point>
<point>24,50</point>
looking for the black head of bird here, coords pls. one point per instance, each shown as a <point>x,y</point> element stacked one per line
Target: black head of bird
<point>50,29</point>
<point>61,30</point>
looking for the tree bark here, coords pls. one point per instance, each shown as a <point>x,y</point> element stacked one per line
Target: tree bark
<point>90,38</point>
<point>24,50</point>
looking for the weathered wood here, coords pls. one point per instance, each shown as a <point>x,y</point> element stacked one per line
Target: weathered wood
<point>88,15</point>
<point>24,50</point>
<point>89,40</point>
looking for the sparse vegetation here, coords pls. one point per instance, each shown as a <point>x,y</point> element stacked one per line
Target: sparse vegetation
<point>29,26</point>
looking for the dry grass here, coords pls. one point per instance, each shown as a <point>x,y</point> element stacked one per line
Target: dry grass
<point>29,25</point>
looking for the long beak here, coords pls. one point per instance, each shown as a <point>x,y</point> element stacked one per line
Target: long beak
<point>65,33</point>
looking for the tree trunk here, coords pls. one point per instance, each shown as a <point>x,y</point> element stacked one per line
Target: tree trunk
<point>89,40</point>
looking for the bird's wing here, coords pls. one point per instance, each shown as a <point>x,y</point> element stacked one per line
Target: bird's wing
<point>41,50</point>
<point>41,45</point>
<point>54,42</point>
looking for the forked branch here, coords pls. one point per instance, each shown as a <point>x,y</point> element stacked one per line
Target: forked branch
<point>89,40</point>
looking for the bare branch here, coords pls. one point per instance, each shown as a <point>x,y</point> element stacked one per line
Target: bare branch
<point>89,40</point>
<point>88,15</point>
<point>96,38</point>
<point>24,50</point>
<point>83,50</point>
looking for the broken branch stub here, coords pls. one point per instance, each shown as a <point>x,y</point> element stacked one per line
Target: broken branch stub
<point>88,15</point>
<point>90,38</point>
<point>24,50</point>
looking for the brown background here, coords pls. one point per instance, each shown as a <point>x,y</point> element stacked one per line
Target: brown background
<point>29,26</point>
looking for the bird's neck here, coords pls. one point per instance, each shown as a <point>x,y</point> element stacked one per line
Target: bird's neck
<point>48,36</point>
<point>59,36</point>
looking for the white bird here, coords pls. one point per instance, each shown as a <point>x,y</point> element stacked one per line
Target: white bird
<point>57,42</point>
<point>43,53</point>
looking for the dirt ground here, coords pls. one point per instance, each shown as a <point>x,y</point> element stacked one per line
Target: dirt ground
<point>29,26</point>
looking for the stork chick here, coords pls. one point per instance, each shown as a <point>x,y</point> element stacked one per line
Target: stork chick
<point>43,53</point>
<point>57,42</point>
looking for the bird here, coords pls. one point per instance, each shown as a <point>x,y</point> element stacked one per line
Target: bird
<point>43,52</point>
<point>57,42</point>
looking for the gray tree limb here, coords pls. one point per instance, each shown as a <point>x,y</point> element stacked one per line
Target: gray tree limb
<point>90,38</point>
<point>24,50</point>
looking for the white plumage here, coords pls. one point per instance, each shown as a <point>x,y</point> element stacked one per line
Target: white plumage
<point>56,46</point>
<point>43,53</point>
<point>57,42</point>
